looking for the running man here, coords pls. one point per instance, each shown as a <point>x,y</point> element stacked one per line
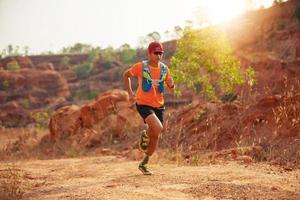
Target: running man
<point>152,76</point>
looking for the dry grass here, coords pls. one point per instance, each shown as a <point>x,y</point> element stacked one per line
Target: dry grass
<point>11,183</point>
<point>287,114</point>
<point>280,144</point>
<point>20,142</point>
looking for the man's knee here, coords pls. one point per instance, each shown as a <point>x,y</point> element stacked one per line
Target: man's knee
<point>155,130</point>
<point>155,126</point>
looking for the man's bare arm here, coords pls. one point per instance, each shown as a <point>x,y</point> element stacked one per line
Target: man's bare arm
<point>127,83</point>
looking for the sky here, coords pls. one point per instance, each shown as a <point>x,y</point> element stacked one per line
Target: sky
<point>50,25</point>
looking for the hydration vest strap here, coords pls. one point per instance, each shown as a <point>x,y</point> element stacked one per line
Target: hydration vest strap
<point>146,71</point>
<point>147,79</point>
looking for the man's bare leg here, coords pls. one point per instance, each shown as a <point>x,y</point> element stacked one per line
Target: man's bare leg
<point>155,127</point>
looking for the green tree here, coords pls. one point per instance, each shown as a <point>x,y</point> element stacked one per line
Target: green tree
<point>127,54</point>
<point>154,36</point>
<point>93,56</point>
<point>26,50</point>
<point>65,61</point>
<point>78,48</point>
<point>144,41</point>
<point>107,55</point>
<point>204,61</point>
<point>11,50</point>
<point>277,2</point>
<point>83,70</point>
<point>178,31</point>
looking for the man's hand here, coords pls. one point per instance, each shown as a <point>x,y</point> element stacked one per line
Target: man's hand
<point>127,83</point>
<point>170,83</point>
<point>131,97</point>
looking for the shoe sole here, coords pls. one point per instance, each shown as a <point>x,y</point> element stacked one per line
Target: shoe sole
<point>145,173</point>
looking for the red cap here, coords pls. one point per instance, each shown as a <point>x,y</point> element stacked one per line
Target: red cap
<point>155,47</point>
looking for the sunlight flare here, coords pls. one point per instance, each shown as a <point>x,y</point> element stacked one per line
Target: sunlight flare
<point>219,11</point>
<point>215,11</point>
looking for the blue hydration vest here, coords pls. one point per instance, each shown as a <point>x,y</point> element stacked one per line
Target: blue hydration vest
<point>147,79</point>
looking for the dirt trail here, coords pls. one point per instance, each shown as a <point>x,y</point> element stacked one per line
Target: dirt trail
<point>116,178</point>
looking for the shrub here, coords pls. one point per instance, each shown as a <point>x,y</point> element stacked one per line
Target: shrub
<point>204,62</point>
<point>297,12</point>
<point>41,119</point>
<point>4,85</point>
<point>107,55</point>
<point>82,94</point>
<point>92,94</point>
<point>25,103</point>
<point>13,66</point>
<point>65,61</point>
<point>228,97</point>
<point>127,54</point>
<point>83,70</point>
<point>281,25</point>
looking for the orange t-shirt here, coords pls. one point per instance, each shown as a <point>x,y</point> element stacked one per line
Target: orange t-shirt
<point>152,98</point>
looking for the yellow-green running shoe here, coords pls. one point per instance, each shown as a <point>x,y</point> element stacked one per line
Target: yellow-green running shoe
<point>144,140</point>
<point>144,169</point>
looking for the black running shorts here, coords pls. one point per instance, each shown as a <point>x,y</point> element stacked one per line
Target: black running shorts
<point>145,111</point>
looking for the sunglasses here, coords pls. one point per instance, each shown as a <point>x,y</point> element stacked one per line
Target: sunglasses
<point>158,53</point>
